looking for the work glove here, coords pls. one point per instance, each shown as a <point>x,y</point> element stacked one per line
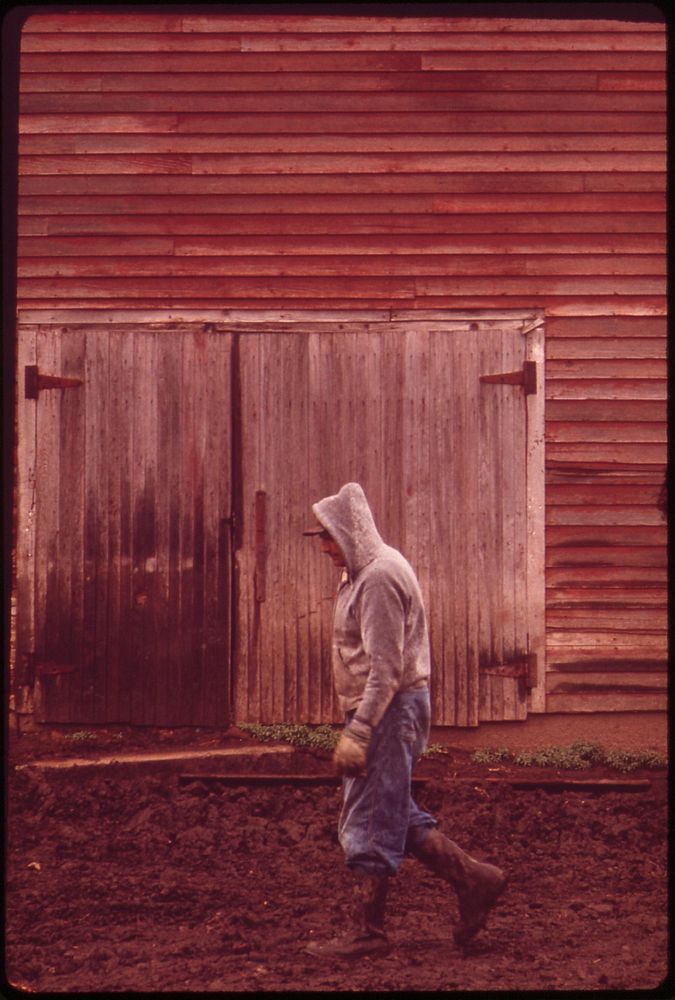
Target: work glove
<point>349,756</point>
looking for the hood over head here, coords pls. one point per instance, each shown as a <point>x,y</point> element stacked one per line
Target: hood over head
<point>349,520</point>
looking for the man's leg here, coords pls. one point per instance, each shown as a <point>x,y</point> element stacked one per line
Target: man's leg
<point>373,827</point>
<point>377,810</point>
<point>369,870</point>
<point>478,886</point>
<point>366,934</point>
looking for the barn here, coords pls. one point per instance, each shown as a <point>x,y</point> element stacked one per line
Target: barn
<point>264,254</point>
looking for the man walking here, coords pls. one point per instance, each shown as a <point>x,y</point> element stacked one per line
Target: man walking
<point>381,668</point>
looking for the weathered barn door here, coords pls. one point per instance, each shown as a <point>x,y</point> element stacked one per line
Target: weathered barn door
<point>163,494</point>
<point>439,425</point>
<point>124,536</point>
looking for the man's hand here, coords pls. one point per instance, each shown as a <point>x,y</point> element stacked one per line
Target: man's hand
<point>350,753</point>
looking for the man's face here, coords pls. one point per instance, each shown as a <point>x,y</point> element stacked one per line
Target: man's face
<point>330,547</point>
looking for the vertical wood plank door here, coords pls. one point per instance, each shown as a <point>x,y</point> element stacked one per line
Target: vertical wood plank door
<point>126,615</point>
<point>443,459</point>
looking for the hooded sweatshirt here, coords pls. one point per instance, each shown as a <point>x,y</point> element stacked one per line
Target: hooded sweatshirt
<point>380,638</point>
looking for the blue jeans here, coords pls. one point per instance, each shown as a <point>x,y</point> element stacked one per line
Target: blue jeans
<point>379,820</point>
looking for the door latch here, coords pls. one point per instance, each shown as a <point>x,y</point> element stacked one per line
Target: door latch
<point>260,520</point>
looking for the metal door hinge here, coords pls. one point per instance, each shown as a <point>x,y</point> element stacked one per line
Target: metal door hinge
<point>34,667</point>
<point>49,668</point>
<point>526,376</point>
<point>35,382</point>
<point>524,669</point>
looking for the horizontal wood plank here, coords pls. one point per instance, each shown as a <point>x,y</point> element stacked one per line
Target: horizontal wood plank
<point>634,61</point>
<point>631,495</point>
<point>465,80</point>
<point>640,682</point>
<point>627,453</point>
<point>619,576</point>
<point>593,368</point>
<point>544,203</point>
<point>542,286</point>
<point>417,287</point>
<point>161,289</point>
<point>604,597</point>
<point>603,473</point>
<point>365,121</point>
<point>321,318</point>
<point>313,23</point>
<point>587,432</point>
<point>628,81</point>
<point>96,22</point>
<point>606,701</point>
<point>616,620</point>
<point>392,61</point>
<point>643,228</point>
<point>654,644</point>
<point>329,163</point>
<point>618,658</point>
<point>328,41</point>
<point>617,326</point>
<point>470,191</point>
<point>606,388</point>
<point>547,249</point>
<point>595,533</point>
<point>270,102</point>
<point>236,61</point>
<point>614,514</point>
<point>605,347</point>
<point>565,306</point>
<point>333,142</point>
<point>145,202</point>
<point>445,265</point>
<point>590,555</point>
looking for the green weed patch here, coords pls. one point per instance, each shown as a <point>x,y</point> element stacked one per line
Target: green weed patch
<point>322,737</point>
<point>577,756</point>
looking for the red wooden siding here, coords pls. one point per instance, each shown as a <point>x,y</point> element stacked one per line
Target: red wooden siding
<point>215,161</point>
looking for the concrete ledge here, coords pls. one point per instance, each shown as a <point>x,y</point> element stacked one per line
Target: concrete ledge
<point>180,757</point>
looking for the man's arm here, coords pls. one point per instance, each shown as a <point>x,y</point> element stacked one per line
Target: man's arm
<point>382,622</point>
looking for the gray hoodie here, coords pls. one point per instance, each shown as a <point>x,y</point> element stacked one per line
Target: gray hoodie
<point>380,639</point>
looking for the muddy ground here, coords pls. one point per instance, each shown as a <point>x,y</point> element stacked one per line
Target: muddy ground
<point>128,878</point>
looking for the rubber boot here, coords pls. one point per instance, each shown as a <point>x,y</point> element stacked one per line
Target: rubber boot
<point>478,886</point>
<point>366,936</point>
